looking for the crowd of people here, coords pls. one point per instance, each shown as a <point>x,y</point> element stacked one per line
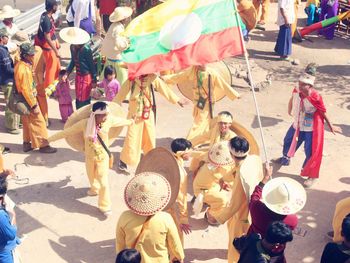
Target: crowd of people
<point>230,182</point>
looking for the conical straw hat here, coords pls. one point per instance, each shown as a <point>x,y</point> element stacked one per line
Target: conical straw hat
<point>163,162</point>
<point>219,154</point>
<point>147,193</point>
<point>219,68</point>
<point>77,141</point>
<point>284,195</point>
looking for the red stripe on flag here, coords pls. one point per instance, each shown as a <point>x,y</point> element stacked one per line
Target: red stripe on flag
<point>208,48</point>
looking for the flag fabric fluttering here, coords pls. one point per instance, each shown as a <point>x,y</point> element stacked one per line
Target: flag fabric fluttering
<point>181,33</point>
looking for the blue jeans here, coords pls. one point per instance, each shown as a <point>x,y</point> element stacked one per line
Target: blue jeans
<point>305,137</point>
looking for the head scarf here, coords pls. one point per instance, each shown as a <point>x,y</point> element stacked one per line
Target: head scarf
<point>91,129</point>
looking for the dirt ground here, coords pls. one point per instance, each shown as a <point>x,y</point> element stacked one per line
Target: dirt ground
<point>62,224</point>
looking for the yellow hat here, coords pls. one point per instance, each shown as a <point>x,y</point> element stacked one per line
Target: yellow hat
<point>120,13</point>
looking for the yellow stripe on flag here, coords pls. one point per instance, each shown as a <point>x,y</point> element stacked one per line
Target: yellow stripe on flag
<point>154,19</point>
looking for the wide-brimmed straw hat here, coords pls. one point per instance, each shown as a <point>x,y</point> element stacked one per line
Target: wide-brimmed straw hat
<point>307,79</point>
<point>161,161</point>
<point>219,154</point>
<point>147,193</point>
<point>77,141</point>
<point>120,13</point>
<point>284,195</point>
<point>20,37</point>
<point>74,35</point>
<point>219,68</point>
<point>240,130</point>
<point>8,11</point>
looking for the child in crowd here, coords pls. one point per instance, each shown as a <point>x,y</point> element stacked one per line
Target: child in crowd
<point>62,93</point>
<point>109,85</point>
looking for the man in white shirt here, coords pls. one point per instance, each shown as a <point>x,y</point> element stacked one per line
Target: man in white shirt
<point>285,19</point>
<point>81,14</point>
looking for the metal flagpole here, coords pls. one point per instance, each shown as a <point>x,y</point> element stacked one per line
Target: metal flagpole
<point>251,82</point>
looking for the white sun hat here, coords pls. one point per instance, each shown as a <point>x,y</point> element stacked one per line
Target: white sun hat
<point>284,195</point>
<point>74,35</point>
<point>8,12</point>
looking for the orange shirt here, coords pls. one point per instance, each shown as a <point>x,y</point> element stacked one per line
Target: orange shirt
<point>25,83</point>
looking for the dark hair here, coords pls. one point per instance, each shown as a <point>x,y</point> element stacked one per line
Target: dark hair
<point>49,4</point>
<point>128,256</point>
<point>278,232</point>
<point>345,228</point>
<point>100,105</point>
<point>62,72</point>
<point>109,70</point>
<point>226,113</point>
<point>3,185</point>
<point>239,144</point>
<point>180,144</point>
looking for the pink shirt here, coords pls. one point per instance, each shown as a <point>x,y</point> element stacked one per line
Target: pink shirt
<point>62,93</point>
<point>111,88</point>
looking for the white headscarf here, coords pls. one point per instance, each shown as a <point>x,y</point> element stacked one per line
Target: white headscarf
<point>91,131</point>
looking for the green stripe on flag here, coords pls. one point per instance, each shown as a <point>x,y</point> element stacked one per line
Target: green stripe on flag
<point>215,18</point>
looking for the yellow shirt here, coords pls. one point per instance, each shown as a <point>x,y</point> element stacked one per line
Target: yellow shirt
<point>141,95</point>
<point>238,200</point>
<point>190,75</point>
<point>25,83</point>
<point>92,149</point>
<point>181,201</point>
<point>159,239</point>
<point>212,136</point>
<point>208,178</point>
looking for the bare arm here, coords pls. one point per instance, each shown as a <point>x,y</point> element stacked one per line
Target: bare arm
<point>290,106</point>
<point>333,128</point>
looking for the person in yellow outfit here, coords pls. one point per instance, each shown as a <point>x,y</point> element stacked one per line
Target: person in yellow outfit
<point>206,84</point>
<point>248,13</point>
<point>145,227</point>
<point>141,135</point>
<point>218,131</point>
<point>181,149</point>
<point>33,124</point>
<point>295,23</point>
<point>264,11</point>
<point>95,130</point>
<point>342,208</point>
<point>237,213</point>
<point>206,184</point>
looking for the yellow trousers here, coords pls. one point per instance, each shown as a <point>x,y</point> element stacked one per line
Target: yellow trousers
<point>173,213</point>
<point>39,77</point>
<point>264,9</point>
<point>140,137</point>
<point>342,209</point>
<point>216,200</point>
<point>237,226</point>
<point>33,126</point>
<point>97,172</point>
<point>201,120</point>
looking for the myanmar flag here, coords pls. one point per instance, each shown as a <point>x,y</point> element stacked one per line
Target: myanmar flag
<point>180,33</point>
